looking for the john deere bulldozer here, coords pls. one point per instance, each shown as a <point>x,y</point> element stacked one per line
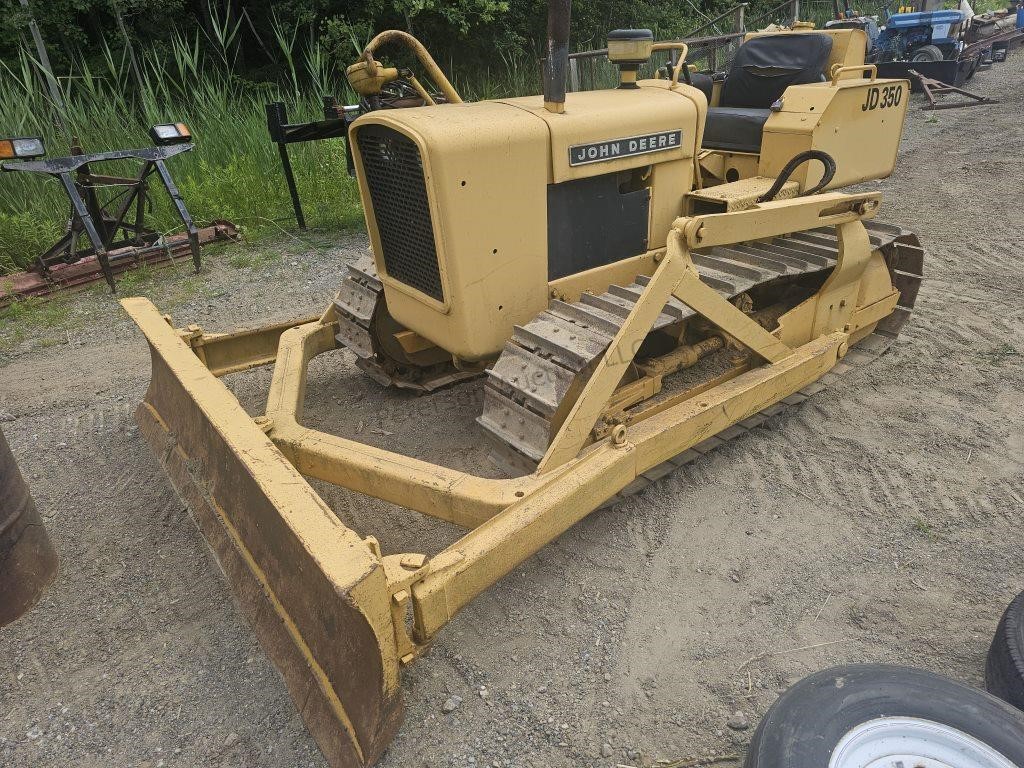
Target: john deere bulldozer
<point>632,275</point>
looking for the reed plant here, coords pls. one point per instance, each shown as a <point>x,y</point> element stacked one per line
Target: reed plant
<point>233,173</point>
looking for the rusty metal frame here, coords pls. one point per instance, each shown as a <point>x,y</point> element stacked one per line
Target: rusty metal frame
<point>934,88</point>
<point>91,217</point>
<point>333,612</point>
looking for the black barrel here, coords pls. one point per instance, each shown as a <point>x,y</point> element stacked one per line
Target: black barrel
<point>28,561</point>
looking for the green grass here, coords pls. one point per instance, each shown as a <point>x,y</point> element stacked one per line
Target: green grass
<point>36,312</point>
<point>922,526</point>
<point>33,317</point>
<point>130,281</point>
<point>234,172</point>
<point>241,260</point>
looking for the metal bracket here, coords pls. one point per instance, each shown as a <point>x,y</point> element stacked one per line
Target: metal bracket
<point>334,126</point>
<point>676,276</point>
<point>933,88</point>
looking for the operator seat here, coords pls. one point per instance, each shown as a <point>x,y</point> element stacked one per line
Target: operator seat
<point>763,68</point>
<point>703,83</point>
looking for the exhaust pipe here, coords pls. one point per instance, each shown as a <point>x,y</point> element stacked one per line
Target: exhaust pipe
<point>557,62</point>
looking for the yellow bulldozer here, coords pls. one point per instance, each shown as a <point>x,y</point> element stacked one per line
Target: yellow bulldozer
<point>631,275</point>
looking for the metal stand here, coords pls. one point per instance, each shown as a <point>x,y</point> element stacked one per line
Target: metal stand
<point>932,88</point>
<point>333,126</point>
<point>94,218</point>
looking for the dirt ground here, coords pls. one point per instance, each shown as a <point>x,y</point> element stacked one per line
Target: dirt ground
<point>878,521</point>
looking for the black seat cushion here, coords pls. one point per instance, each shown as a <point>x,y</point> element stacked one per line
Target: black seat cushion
<point>735,129</point>
<point>702,82</point>
<point>768,64</point>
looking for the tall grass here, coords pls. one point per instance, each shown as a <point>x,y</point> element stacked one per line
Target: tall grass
<point>233,173</point>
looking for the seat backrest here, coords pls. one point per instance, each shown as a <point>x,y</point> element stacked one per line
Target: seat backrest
<point>766,65</point>
<point>704,83</point>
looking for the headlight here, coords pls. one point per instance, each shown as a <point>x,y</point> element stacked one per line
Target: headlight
<point>22,148</point>
<point>170,133</point>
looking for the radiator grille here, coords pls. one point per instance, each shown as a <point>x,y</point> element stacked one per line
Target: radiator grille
<point>398,191</point>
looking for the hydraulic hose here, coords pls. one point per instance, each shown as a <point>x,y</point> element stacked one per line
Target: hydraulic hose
<point>812,154</point>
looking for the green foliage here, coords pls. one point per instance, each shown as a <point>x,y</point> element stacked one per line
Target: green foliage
<point>344,39</point>
<point>37,312</point>
<point>984,6</point>
<point>234,172</point>
<point>460,16</point>
<point>466,32</point>
<point>215,63</point>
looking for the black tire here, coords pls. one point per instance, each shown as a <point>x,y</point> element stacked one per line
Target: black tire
<point>927,53</point>
<point>1004,670</point>
<point>805,725</point>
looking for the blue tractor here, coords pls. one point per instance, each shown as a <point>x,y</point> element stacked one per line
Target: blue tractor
<point>921,37</point>
<point>927,42</point>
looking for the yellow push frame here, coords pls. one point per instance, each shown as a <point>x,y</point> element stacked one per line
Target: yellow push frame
<point>331,611</point>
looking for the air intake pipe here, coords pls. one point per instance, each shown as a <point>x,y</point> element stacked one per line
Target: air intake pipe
<point>557,62</point>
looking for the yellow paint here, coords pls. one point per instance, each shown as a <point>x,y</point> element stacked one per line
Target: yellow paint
<point>487,170</point>
<point>319,675</point>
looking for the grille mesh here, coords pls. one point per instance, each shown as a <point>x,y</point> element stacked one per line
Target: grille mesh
<point>394,175</point>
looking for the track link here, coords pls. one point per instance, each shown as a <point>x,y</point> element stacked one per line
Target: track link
<point>552,355</point>
<point>360,304</point>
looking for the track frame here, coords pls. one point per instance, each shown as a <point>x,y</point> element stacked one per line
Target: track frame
<point>337,617</point>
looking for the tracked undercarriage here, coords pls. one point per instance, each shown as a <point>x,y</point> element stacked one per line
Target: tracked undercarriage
<point>641,273</point>
<point>548,360</point>
<point>366,327</point>
<point>308,581</point>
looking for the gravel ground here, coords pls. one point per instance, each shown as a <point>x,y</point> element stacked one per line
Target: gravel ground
<point>879,521</point>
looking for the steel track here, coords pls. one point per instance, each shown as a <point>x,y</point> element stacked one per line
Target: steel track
<point>551,356</point>
<point>358,304</point>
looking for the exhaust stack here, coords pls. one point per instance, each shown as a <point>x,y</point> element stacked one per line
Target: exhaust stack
<point>557,61</point>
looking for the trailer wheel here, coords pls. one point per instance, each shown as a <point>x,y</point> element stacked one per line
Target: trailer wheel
<point>873,715</point>
<point>1004,670</point>
<point>927,53</point>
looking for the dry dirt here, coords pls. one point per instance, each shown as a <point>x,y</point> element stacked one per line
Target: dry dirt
<point>879,521</point>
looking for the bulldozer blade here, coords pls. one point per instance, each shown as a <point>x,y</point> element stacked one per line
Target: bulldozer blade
<point>313,590</point>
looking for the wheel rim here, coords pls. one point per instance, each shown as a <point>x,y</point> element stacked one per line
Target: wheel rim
<point>909,742</point>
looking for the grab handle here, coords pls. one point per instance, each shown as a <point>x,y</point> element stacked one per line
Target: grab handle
<point>838,70</point>
<point>674,46</point>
